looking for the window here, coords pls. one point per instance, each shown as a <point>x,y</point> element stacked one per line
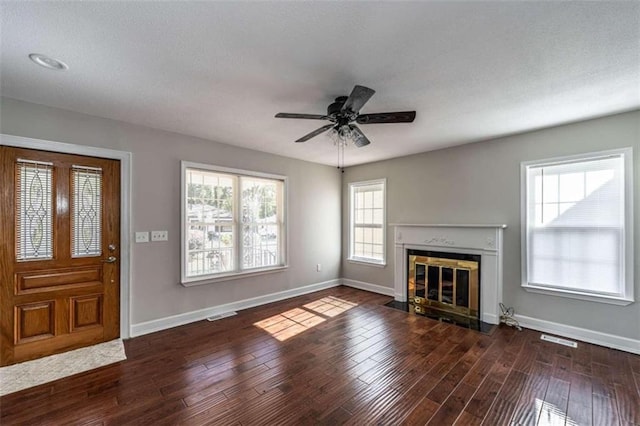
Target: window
<point>576,227</point>
<point>367,221</point>
<point>233,222</point>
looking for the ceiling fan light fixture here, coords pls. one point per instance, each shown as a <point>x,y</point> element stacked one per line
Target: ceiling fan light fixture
<point>48,62</point>
<point>341,135</point>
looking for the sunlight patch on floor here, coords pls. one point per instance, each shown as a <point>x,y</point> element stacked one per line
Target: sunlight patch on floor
<point>551,414</point>
<point>294,321</point>
<point>330,306</point>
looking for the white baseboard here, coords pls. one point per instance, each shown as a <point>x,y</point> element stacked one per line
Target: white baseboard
<point>490,318</point>
<point>590,336</point>
<point>189,317</point>
<point>374,288</point>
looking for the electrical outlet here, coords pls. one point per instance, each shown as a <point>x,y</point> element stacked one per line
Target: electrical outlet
<point>318,267</point>
<point>159,235</point>
<point>142,237</point>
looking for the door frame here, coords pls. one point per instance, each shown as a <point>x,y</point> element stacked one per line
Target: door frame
<point>125,206</point>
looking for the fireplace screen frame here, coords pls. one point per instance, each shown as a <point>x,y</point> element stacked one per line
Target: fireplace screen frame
<point>444,260</point>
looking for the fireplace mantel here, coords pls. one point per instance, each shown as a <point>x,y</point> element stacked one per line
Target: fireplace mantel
<point>483,240</point>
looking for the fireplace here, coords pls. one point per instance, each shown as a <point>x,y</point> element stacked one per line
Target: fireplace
<point>444,282</point>
<point>449,251</point>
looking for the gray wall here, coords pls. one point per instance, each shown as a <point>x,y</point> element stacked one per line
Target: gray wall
<point>475,183</point>
<point>314,206</point>
<point>480,183</point>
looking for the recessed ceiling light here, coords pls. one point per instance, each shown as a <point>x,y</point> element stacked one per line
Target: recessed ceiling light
<point>47,62</point>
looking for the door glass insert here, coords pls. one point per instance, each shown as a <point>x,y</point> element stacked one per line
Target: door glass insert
<point>86,214</point>
<point>34,231</point>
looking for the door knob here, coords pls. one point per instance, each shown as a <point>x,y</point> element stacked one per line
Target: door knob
<point>110,259</point>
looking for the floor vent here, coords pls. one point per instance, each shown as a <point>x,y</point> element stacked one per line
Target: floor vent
<point>222,315</point>
<point>559,341</point>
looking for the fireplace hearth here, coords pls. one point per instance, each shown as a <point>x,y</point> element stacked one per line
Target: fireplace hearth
<point>442,316</point>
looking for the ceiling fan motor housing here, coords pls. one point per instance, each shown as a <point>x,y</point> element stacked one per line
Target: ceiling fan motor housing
<point>335,107</point>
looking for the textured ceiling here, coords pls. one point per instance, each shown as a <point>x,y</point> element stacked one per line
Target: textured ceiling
<point>221,70</point>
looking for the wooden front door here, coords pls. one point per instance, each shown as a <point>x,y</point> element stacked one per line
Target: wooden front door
<point>59,252</point>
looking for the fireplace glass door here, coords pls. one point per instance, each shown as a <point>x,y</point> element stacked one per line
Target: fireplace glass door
<point>444,281</point>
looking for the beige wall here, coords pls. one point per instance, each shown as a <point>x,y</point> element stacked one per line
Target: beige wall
<point>480,183</point>
<point>314,206</point>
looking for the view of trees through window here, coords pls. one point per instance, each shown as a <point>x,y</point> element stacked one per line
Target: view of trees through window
<point>259,222</point>
<point>226,233</point>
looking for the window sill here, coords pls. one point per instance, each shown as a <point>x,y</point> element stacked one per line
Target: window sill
<point>360,261</point>
<point>192,282</point>
<point>601,298</point>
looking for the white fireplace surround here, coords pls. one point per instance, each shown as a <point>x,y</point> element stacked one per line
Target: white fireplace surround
<point>483,240</point>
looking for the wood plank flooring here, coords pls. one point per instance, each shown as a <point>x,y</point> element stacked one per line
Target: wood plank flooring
<point>339,357</point>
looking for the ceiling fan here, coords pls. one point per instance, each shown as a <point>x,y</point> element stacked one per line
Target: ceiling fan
<point>344,111</point>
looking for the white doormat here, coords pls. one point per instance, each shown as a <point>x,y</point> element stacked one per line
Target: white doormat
<point>14,378</point>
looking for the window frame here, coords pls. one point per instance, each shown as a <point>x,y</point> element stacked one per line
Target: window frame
<point>238,272</point>
<point>626,296</point>
<point>366,260</point>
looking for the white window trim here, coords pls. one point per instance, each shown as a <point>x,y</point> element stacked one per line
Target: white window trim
<point>227,276</point>
<point>364,260</point>
<point>622,299</point>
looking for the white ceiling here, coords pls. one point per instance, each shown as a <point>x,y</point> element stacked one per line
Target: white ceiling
<point>222,70</point>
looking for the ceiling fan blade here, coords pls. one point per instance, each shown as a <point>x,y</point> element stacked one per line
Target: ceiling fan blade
<point>315,133</point>
<point>359,139</point>
<point>358,97</point>
<point>308,116</point>
<point>387,117</point>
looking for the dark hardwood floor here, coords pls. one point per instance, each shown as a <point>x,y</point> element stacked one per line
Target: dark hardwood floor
<point>340,357</point>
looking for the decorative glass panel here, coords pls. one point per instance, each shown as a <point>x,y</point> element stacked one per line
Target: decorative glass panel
<point>86,214</point>
<point>34,231</point>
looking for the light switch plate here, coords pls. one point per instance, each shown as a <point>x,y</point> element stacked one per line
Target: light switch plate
<point>159,235</point>
<point>142,237</point>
